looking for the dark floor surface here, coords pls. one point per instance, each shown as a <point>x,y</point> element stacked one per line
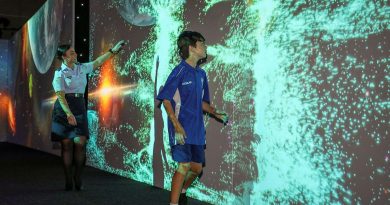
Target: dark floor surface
<point>31,177</point>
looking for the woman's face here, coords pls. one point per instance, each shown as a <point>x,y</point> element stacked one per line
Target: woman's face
<point>70,56</point>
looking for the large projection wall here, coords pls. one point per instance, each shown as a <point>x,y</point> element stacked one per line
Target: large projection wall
<point>306,85</point>
<point>33,63</point>
<point>4,94</point>
<point>304,82</point>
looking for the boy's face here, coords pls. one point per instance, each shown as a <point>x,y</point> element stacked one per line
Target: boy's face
<point>200,50</point>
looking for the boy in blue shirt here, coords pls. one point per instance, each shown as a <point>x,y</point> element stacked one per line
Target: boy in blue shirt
<point>185,97</point>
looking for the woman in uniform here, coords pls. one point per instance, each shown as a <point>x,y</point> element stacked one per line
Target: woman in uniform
<point>69,118</point>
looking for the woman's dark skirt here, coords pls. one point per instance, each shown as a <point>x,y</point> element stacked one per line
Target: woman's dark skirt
<point>60,128</point>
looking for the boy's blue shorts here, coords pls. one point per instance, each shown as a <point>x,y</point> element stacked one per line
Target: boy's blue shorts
<point>188,153</point>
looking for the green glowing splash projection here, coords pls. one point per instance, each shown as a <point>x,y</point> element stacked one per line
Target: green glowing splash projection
<point>310,108</point>
<point>158,45</point>
<point>305,84</point>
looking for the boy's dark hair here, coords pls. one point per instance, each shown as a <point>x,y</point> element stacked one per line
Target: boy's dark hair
<point>186,39</point>
<point>62,49</point>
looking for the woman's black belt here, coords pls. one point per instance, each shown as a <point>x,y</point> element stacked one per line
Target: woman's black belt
<point>75,95</point>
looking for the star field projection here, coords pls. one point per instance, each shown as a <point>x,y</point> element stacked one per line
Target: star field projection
<point>305,84</point>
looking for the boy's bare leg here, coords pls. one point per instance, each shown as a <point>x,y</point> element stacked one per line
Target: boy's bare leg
<point>178,180</point>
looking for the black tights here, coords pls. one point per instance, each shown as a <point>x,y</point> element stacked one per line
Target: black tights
<point>73,151</point>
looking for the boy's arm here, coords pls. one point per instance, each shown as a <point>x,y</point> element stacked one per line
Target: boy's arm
<point>217,114</point>
<point>180,134</point>
<point>208,108</point>
<point>220,115</point>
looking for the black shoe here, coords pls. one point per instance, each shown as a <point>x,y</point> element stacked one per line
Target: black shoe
<point>78,184</point>
<point>79,188</point>
<point>68,186</point>
<point>183,199</point>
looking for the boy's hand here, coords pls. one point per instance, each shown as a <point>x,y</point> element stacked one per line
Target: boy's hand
<point>180,134</point>
<point>222,116</point>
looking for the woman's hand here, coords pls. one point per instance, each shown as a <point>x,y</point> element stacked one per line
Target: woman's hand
<point>114,50</point>
<point>71,119</point>
<point>118,47</point>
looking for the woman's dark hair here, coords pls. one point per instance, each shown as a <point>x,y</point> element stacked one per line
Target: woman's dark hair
<point>186,39</point>
<point>61,50</point>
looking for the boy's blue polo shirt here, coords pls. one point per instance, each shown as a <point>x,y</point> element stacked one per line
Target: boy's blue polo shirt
<point>186,88</point>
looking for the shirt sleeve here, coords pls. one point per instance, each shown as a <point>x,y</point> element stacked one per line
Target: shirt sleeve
<point>87,67</point>
<point>206,94</point>
<point>171,85</point>
<point>58,82</point>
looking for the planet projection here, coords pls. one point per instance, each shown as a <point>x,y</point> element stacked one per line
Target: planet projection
<point>138,13</point>
<point>44,30</point>
<point>305,84</point>
<point>30,74</point>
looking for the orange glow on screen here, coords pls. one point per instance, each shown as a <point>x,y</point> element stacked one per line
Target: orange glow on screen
<point>7,109</point>
<point>106,91</point>
<point>24,51</point>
